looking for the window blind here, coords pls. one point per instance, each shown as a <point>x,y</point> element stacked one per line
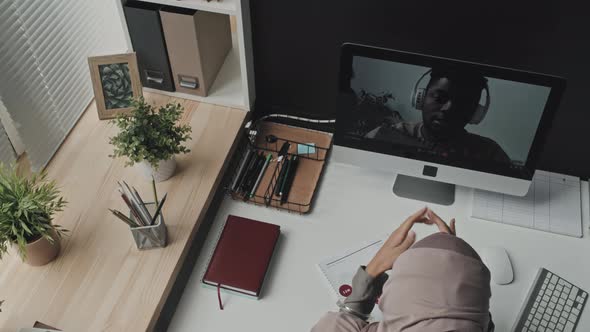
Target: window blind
<point>7,155</point>
<point>44,77</point>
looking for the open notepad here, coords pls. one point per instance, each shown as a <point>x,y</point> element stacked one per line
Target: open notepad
<point>339,270</point>
<point>552,204</point>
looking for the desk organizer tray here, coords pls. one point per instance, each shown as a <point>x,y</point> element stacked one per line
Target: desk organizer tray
<point>308,173</point>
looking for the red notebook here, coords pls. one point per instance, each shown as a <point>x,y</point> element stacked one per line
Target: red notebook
<point>242,255</point>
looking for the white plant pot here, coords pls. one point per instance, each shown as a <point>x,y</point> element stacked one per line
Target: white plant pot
<point>164,172</point>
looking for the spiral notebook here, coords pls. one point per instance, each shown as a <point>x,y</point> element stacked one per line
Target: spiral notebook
<point>339,270</point>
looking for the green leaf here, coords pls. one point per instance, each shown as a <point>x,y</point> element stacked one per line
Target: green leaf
<point>27,205</point>
<point>149,134</point>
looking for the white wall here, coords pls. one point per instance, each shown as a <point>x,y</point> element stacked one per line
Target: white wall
<point>512,119</point>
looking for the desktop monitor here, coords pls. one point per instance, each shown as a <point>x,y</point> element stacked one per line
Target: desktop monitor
<point>438,122</point>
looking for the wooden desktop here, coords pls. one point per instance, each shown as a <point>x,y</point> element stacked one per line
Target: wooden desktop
<point>100,281</point>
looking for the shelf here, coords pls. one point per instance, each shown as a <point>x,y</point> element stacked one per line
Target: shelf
<point>229,7</point>
<point>227,89</point>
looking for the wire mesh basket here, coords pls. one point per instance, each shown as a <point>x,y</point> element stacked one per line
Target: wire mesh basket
<point>311,154</point>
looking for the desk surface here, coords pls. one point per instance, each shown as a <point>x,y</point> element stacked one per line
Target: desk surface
<point>101,281</point>
<point>355,205</point>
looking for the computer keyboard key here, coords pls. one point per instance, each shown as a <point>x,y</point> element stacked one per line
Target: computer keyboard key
<point>560,326</point>
<point>570,302</point>
<point>569,327</point>
<point>561,301</point>
<point>562,320</point>
<point>552,305</point>
<point>551,325</point>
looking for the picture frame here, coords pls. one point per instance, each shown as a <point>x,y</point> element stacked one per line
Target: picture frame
<point>115,81</point>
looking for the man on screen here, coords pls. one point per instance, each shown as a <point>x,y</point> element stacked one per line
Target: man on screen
<point>450,101</point>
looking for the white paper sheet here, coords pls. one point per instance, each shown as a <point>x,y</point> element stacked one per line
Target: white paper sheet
<point>339,270</point>
<point>552,204</point>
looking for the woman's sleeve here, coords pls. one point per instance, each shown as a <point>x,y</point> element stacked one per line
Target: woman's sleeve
<point>356,309</point>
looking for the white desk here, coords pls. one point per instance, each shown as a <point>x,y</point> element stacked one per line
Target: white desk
<point>354,205</point>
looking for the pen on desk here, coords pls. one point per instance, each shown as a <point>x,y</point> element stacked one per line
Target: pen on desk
<point>155,217</point>
<point>245,176</point>
<point>124,218</point>
<point>132,208</point>
<point>142,206</point>
<point>281,176</point>
<point>286,175</point>
<point>261,174</point>
<point>283,151</point>
<point>241,169</point>
<point>253,176</point>
<point>154,189</point>
<point>289,181</point>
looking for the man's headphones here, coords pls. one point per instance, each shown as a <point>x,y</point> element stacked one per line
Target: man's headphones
<point>418,95</point>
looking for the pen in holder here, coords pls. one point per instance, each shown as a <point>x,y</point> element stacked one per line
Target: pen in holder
<point>153,236</point>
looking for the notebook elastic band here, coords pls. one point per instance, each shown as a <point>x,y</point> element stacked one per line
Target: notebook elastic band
<point>219,296</point>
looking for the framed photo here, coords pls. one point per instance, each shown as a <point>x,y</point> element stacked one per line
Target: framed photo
<point>115,80</point>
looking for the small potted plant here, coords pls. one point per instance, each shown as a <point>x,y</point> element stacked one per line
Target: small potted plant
<point>151,138</point>
<point>27,206</point>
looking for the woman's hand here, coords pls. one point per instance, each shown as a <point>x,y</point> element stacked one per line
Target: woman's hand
<point>442,226</point>
<point>398,242</point>
<point>402,238</point>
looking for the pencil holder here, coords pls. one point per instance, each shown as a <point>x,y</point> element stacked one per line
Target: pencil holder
<point>149,237</point>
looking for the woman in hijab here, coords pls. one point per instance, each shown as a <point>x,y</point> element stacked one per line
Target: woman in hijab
<point>436,284</point>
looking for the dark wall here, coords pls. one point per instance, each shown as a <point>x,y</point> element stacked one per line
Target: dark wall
<point>296,50</point>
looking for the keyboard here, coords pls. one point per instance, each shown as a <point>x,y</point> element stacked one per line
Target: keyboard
<point>552,304</point>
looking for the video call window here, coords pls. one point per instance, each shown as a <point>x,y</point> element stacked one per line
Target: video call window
<point>447,112</point>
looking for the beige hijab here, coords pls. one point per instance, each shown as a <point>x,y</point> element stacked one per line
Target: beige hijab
<point>439,284</point>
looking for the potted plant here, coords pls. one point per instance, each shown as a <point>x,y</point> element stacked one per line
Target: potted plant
<point>151,138</point>
<point>27,205</point>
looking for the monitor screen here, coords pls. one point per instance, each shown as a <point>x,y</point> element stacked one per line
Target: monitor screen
<point>443,111</point>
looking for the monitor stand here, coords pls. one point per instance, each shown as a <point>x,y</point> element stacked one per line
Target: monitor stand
<point>424,190</point>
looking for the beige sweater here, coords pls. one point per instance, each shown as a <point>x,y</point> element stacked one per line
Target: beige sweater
<point>439,284</point>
